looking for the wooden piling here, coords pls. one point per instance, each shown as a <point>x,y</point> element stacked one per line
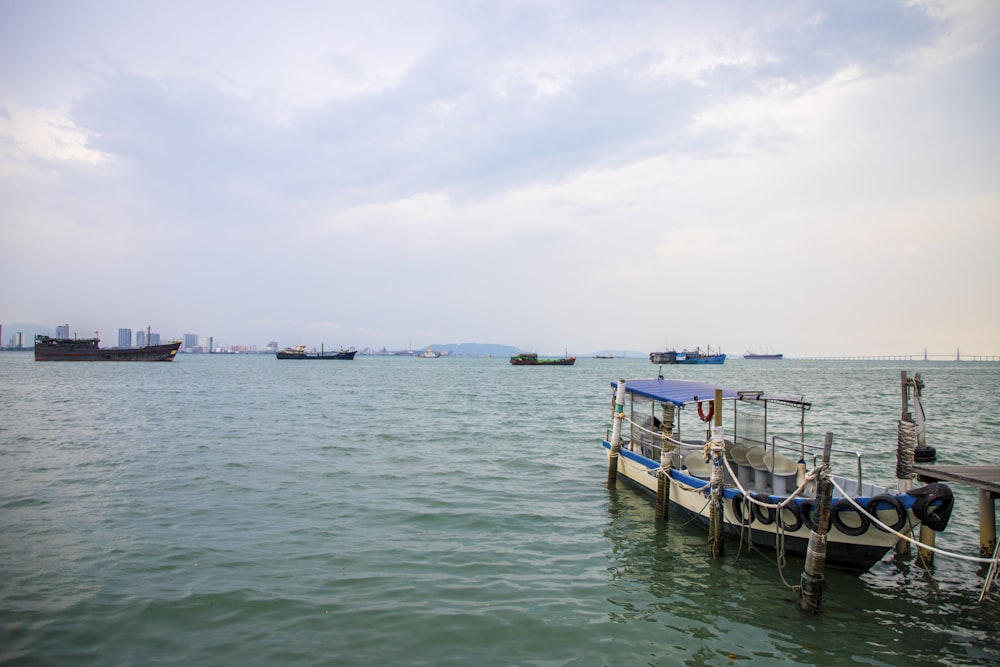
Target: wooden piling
<point>663,476</point>
<point>716,517</point>
<point>813,582</point>
<point>663,489</point>
<point>616,434</point>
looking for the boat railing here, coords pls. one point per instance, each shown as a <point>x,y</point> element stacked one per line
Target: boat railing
<point>650,442</point>
<point>814,451</point>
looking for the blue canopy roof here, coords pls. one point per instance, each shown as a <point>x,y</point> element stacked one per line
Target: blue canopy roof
<point>681,392</point>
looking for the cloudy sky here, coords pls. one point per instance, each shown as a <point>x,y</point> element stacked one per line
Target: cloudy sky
<point>815,178</point>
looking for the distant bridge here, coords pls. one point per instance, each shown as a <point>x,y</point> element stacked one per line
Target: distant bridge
<point>958,356</point>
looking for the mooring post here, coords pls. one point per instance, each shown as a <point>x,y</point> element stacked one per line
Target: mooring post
<point>716,449</point>
<point>813,582</point>
<point>663,475</point>
<point>922,453</point>
<point>906,440</point>
<point>616,433</point>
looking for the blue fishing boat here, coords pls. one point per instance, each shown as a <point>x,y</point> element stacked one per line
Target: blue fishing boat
<point>748,454</point>
<point>696,357</point>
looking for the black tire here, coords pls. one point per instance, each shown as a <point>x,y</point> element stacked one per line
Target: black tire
<point>843,506</point>
<point>807,509</point>
<point>934,516</point>
<point>894,503</point>
<point>738,510</point>
<point>792,507</point>
<point>765,515</point>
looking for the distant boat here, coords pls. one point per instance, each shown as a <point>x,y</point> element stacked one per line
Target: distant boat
<point>753,355</point>
<point>86,349</point>
<point>696,357</point>
<point>299,352</point>
<point>429,354</point>
<point>604,356</point>
<point>531,359</point>
<point>667,357</point>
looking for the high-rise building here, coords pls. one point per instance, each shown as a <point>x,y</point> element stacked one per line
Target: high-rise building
<point>124,338</point>
<point>62,331</point>
<point>140,338</point>
<point>154,338</point>
<point>190,341</point>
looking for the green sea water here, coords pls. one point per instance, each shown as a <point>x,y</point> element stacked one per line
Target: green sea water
<point>240,510</point>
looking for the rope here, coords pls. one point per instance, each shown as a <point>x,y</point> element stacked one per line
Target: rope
<point>875,520</point>
<point>991,575</point>
<point>906,441</point>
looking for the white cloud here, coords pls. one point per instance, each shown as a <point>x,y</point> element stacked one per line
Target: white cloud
<point>809,154</point>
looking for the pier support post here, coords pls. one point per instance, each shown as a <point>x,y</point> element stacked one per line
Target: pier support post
<point>663,476</point>
<point>987,524</point>
<point>926,538</point>
<point>616,433</point>
<point>663,488</point>
<point>716,449</point>
<point>813,582</point>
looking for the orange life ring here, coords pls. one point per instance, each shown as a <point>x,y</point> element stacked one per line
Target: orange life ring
<point>711,411</point>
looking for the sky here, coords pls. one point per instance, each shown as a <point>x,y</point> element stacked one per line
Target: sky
<point>812,178</point>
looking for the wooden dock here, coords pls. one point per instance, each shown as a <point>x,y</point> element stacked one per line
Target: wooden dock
<point>986,479</point>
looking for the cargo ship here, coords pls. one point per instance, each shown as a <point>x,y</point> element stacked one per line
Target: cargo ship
<point>755,355</point>
<point>299,352</point>
<point>48,348</point>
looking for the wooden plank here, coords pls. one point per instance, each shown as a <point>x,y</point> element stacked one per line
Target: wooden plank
<point>984,477</point>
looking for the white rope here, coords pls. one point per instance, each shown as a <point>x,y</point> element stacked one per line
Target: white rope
<point>873,519</point>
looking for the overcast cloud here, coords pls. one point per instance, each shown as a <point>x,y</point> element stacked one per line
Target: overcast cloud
<point>806,177</point>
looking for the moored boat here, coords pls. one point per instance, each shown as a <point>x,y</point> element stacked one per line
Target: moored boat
<point>766,474</point>
<point>48,348</point>
<point>532,359</point>
<point>665,357</point>
<point>299,352</point>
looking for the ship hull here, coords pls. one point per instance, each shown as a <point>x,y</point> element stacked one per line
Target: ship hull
<point>72,351</point>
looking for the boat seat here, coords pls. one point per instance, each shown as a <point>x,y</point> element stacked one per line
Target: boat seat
<point>696,465</point>
<point>761,475</point>
<point>782,469</point>
<point>744,471</point>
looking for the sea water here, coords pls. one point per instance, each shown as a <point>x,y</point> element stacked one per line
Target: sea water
<point>240,510</point>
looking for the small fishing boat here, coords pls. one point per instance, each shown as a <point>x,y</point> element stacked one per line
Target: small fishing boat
<point>532,359</point>
<point>299,352</point>
<point>754,465</point>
